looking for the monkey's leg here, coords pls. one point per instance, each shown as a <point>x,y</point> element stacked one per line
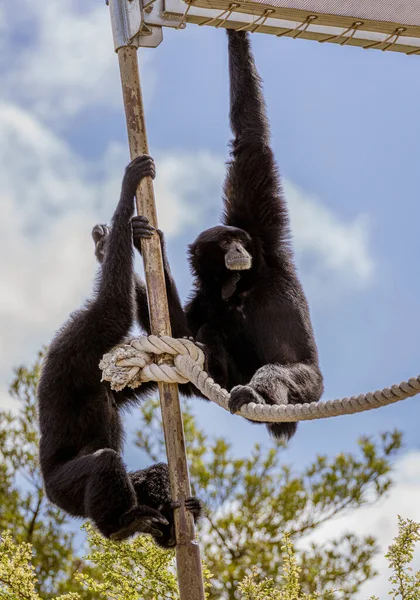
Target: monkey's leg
<point>279,384</point>
<point>97,486</point>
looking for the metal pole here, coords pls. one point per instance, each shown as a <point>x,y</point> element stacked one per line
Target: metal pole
<point>190,578</point>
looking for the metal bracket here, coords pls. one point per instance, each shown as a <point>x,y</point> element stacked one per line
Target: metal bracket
<point>150,37</point>
<point>126,21</point>
<point>129,27</point>
<point>154,14</point>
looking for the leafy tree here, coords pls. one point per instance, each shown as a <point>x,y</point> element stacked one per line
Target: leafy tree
<point>252,502</point>
<point>405,582</point>
<point>129,571</point>
<point>18,578</point>
<point>140,567</point>
<point>253,588</point>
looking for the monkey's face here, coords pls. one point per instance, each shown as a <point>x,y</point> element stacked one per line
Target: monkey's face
<point>219,249</point>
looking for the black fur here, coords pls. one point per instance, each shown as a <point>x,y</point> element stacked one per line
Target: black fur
<point>254,323</point>
<point>80,422</point>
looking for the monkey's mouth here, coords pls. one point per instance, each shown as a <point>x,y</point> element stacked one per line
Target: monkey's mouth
<point>237,258</point>
<point>239,263</point>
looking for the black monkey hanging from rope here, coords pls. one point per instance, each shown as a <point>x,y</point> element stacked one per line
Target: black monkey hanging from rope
<point>248,307</point>
<point>227,311</point>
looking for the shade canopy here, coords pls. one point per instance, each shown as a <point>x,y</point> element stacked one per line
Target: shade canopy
<point>387,25</point>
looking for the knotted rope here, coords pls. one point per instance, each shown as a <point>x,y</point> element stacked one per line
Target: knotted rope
<point>141,360</point>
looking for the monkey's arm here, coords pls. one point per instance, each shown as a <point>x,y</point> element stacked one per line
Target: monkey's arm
<point>179,324</point>
<point>106,320</point>
<point>253,194</point>
<point>142,308</point>
<point>273,384</point>
<point>141,230</point>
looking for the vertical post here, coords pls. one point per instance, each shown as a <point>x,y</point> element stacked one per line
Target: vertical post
<point>188,559</point>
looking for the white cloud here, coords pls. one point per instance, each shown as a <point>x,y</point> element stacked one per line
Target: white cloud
<point>47,213</point>
<point>68,63</point>
<point>336,252</point>
<point>50,200</point>
<point>380,520</point>
<point>186,188</point>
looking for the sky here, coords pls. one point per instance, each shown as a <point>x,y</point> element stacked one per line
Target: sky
<point>346,134</point>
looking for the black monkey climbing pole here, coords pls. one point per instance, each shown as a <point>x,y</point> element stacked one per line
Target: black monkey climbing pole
<point>126,24</point>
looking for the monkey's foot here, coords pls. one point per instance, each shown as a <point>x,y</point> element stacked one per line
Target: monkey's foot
<point>193,504</point>
<point>140,519</point>
<point>99,232</point>
<point>100,235</point>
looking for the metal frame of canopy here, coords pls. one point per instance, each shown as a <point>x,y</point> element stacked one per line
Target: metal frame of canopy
<point>386,25</point>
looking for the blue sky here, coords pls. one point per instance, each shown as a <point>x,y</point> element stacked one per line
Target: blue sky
<point>345,131</point>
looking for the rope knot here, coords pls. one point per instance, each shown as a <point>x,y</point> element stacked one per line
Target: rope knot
<point>149,358</point>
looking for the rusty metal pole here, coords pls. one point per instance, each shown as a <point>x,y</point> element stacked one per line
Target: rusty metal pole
<point>190,578</point>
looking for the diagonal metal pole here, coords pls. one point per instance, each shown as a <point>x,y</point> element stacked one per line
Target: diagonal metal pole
<point>190,578</point>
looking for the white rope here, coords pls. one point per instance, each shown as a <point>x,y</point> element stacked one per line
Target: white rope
<point>146,359</point>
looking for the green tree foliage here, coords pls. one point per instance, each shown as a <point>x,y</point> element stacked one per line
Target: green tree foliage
<point>18,579</point>
<point>251,502</point>
<point>405,582</point>
<point>129,571</point>
<point>252,587</point>
<point>141,570</point>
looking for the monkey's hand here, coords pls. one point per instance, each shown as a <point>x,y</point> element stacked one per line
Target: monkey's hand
<point>140,519</point>
<point>140,167</point>
<point>245,394</point>
<point>100,235</point>
<point>142,230</point>
<point>241,395</point>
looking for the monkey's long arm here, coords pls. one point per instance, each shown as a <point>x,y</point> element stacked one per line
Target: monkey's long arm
<point>253,195</point>
<point>179,324</point>
<point>107,319</point>
<point>177,315</point>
